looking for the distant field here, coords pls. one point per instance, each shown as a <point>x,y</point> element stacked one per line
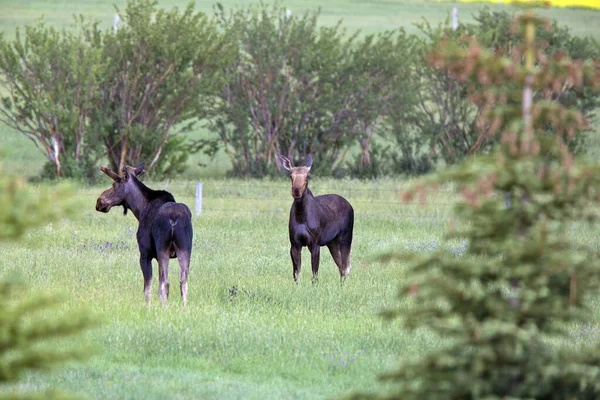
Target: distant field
<point>369,16</point>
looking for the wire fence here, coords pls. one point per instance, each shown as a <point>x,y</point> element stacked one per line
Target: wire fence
<point>245,199</point>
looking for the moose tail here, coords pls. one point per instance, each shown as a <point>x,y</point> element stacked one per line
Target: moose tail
<point>173,222</point>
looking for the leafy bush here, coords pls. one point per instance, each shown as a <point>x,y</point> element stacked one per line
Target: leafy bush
<point>50,86</point>
<point>160,67</point>
<point>297,88</point>
<point>447,121</point>
<point>83,94</point>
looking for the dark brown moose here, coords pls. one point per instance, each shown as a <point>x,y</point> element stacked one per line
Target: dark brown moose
<point>164,231</point>
<point>325,220</point>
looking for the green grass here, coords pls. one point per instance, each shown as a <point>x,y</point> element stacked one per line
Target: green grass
<point>272,339</point>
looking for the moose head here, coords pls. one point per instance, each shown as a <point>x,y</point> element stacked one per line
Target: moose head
<point>298,175</point>
<point>117,194</point>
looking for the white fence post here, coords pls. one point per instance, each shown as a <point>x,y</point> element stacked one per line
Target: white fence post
<point>116,23</point>
<point>454,18</point>
<point>198,198</point>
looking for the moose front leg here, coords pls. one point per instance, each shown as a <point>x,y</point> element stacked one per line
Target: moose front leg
<point>146,264</point>
<point>315,253</point>
<point>296,253</point>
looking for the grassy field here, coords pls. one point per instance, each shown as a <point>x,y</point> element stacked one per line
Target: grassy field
<point>369,16</point>
<point>249,331</point>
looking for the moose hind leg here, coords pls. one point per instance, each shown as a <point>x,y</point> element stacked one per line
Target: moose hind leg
<point>345,251</point>
<point>336,254</point>
<point>146,264</point>
<point>163,275</point>
<point>184,266</point>
<point>296,253</point>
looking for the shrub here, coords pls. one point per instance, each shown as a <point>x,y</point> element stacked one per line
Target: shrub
<point>296,88</point>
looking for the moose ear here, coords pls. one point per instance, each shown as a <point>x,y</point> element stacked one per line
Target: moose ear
<point>109,172</point>
<point>309,161</point>
<point>285,162</point>
<point>139,170</point>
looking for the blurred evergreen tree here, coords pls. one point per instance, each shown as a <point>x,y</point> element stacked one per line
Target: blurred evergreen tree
<point>25,333</point>
<point>503,310</point>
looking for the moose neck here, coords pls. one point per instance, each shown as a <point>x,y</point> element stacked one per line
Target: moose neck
<point>304,204</point>
<point>137,198</point>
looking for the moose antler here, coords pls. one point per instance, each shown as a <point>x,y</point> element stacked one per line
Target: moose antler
<point>111,174</point>
<point>285,162</point>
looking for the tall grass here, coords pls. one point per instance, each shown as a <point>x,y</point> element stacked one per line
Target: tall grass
<point>249,331</point>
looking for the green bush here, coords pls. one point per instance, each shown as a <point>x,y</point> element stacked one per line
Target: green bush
<point>297,88</point>
<point>84,94</point>
<point>160,69</point>
<point>446,122</point>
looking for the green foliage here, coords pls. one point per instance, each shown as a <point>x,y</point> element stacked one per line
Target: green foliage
<point>23,328</point>
<point>160,69</point>
<point>49,82</point>
<point>83,94</point>
<point>297,88</point>
<point>26,337</point>
<point>264,81</point>
<point>447,121</point>
<point>504,307</point>
<point>22,210</point>
<point>441,125</point>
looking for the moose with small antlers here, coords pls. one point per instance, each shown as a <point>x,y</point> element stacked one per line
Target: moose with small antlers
<point>325,220</point>
<point>164,231</point>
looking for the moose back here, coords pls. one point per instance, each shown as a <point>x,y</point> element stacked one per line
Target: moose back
<point>164,231</point>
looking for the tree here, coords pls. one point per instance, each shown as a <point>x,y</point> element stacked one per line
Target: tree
<point>448,121</point>
<point>161,67</point>
<point>296,88</point>
<point>443,118</point>
<point>50,87</point>
<point>84,94</point>
<point>24,332</point>
<point>524,279</point>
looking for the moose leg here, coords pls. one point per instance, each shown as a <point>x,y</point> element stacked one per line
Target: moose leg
<point>315,253</point>
<point>146,264</point>
<point>163,275</point>
<point>345,251</point>
<point>184,267</point>
<point>296,253</point>
<point>334,249</point>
